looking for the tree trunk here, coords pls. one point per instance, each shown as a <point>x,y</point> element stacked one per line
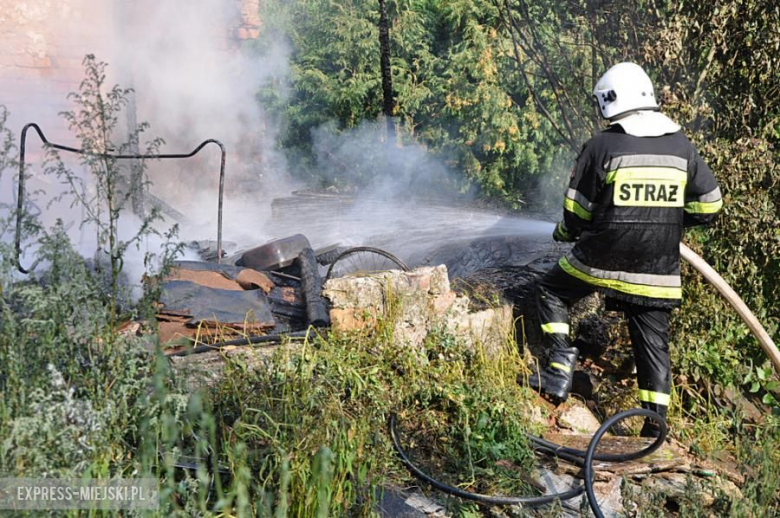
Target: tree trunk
<point>387,78</point>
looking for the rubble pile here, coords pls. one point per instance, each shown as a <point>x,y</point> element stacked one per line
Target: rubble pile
<point>415,303</point>
<point>208,302</point>
<point>671,471</point>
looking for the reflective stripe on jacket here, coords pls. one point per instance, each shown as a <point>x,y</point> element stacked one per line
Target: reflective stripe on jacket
<point>628,201</point>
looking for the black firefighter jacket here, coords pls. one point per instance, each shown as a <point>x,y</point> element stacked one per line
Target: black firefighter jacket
<point>628,202</point>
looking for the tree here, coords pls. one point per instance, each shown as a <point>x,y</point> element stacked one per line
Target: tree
<point>455,89</point>
<point>388,100</point>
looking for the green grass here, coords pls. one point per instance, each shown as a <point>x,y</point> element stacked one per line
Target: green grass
<point>330,399</point>
<point>305,435</point>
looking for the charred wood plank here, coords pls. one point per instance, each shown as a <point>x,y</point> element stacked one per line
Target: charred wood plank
<point>290,311</point>
<point>249,340</point>
<point>311,285</point>
<point>286,295</point>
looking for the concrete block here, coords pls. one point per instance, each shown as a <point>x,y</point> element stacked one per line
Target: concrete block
<point>417,302</point>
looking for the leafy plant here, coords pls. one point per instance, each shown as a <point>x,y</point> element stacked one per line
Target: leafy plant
<point>104,194</point>
<point>77,396</point>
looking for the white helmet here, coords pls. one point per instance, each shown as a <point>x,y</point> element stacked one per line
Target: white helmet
<point>624,88</point>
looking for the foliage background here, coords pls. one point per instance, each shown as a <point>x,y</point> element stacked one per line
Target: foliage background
<point>457,90</point>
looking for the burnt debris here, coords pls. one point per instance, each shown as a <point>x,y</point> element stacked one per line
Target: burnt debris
<point>270,291</point>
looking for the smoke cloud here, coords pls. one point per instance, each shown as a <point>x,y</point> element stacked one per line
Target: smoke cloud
<point>410,202</point>
<point>195,70</point>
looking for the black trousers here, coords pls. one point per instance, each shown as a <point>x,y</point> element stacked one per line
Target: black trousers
<point>648,327</point>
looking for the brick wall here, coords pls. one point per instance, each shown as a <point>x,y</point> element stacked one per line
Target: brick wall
<point>41,54</point>
<point>42,46</point>
<point>43,43</point>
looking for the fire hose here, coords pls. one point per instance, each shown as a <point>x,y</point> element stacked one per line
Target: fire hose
<point>582,458</point>
<point>586,458</point>
<point>736,302</point>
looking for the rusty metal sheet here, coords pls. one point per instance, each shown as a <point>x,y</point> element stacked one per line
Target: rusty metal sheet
<point>250,280</point>
<point>206,304</point>
<point>228,270</point>
<point>172,329</point>
<point>207,278</point>
<point>220,276</point>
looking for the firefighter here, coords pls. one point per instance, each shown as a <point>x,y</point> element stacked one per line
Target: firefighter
<point>633,189</point>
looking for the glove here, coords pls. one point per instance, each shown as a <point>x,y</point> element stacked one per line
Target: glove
<point>561,235</point>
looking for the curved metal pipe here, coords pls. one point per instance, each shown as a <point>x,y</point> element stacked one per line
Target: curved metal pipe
<point>21,191</point>
<point>736,302</point>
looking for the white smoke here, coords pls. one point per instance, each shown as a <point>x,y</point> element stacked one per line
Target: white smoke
<point>194,79</point>
<point>410,201</point>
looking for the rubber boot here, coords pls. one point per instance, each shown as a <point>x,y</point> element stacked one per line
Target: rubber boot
<point>651,428</point>
<point>554,381</point>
